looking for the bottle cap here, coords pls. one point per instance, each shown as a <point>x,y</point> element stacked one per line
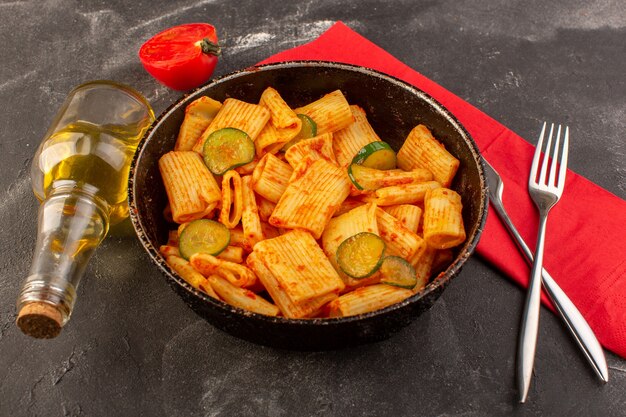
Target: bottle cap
<point>40,320</point>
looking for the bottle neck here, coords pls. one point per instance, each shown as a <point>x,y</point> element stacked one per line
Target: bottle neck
<point>72,223</point>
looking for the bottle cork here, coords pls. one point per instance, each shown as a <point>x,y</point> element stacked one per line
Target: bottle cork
<point>40,320</point>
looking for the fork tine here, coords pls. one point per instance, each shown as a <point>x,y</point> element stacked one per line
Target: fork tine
<point>546,154</point>
<point>555,157</point>
<point>563,167</point>
<point>533,169</point>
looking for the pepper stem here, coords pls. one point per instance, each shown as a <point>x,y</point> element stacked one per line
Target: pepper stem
<point>209,47</point>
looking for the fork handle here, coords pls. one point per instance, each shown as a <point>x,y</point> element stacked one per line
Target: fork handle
<point>574,320</point>
<point>527,342</point>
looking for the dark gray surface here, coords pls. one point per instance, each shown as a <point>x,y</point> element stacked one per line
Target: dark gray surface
<point>132,346</point>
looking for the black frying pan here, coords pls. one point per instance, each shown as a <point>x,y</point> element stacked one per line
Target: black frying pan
<point>393,108</point>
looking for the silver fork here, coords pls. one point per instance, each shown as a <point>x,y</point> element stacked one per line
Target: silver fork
<point>545,191</point>
<point>575,321</point>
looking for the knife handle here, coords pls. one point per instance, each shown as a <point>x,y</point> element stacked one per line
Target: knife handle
<point>576,323</point>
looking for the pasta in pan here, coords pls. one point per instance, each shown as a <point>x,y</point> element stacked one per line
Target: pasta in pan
<point>305,211</point>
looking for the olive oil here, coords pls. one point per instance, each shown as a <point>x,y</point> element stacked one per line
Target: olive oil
<point>89,157</point>
<point>80,174</point>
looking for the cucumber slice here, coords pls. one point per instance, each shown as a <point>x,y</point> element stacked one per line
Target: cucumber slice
<point>378,155</point>
<point>307,131</point>
<point>398,272</point>
<point>361,177</point>
<point>361,255</point>
<point>203,236</point>
<point>226,149</point>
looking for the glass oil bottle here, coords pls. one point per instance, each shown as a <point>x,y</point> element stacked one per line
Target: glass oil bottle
<point>80,175</point>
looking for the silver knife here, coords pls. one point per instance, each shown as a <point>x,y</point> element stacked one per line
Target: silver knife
<point>576,323</point>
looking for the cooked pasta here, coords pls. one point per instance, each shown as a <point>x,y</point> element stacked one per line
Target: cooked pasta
<point>289,309</point>
<point>310,201</point>
<point>191,188</point>
<point>232,254</point>
<point>402,194</point>
<point>282,116</point>
<point>198,115</point>
<point>284,124</point>
<point>169,250</point>
<point>319,147</point>
<point>366,299</point>
<point>347,205</point>
<point>357,220</point>
<point>240,297</point>
<point>377,178</point>
<point>295,272</point>
<point>190,274</point>
<point>266,208</point>
<point>270,177</point>
<point>237,274</point>
<point>349,140</point>
<point>232,199</point>
<point>423,264</point>
<point>443,219</point>
<point>250,118</point>
<point>305,226</point>
<point>250,219</point>
<point>400,241</point>
<point>422,150</point>
<point>331,113</point>
<point>271,139</point>
<point>408,214</point>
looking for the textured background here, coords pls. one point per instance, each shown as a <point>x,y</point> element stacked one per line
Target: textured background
<point>132,346</point>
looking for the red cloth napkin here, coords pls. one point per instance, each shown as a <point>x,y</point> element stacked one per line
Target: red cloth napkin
<point>586,239</point>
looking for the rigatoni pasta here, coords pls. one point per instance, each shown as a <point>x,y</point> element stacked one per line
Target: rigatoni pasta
<point>443,218</point>
<point>240,297</point>
<point>198,115</point>
<point>294,270</point>
<point>408,214</point>
<point>347,205</point>
<point>319,147</point>
<point>402,194</point>
<point>400,241</point>
<point>190,274</point>
<point>282,116</point>
<point>310,201</point>
<point>331,113</point>
<point>290,309</point>
<point>422,150</point>
<point>191,188</point>
<point>232,199</point>
<point>298,251</point>
<point>250,219</point>
<point>283,125</point>
<point>271,139</point>
<point>366,299</point>
<point>237,274</point>
<point>423,264</point>
<point>248,168</point>
<point>169,250</point>
<point>250,118</point>
<point>266,208</point>
<point>349,140</point>
<point>232,254</point>
<point>299,227</point>
<point>357,220</point>
<point>373,179</point>
<point>270,177</point>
